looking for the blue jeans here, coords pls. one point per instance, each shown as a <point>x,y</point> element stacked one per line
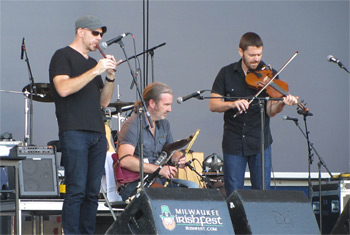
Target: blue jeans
<point>130,188</point>
<point>234,170</point>
<point>84,156</point>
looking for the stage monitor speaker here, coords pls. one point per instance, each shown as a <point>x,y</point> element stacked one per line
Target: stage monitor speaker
<point>343,223</point>
<point>38,172</point>
<point>271,212</point>
<point>174,211</point>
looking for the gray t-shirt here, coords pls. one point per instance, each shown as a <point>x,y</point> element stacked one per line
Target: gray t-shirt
<point>129,134</point>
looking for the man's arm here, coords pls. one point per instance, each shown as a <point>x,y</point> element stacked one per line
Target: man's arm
<point>66,86</point>
<point>275,107</point>
<point>132,163</point>
<point>217,104</point>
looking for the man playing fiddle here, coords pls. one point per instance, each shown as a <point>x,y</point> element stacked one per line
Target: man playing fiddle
<point>241,139</point>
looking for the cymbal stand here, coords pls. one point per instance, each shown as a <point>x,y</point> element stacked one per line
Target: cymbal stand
<point>27,114</point>
<point>120,118</point>
<point>29,101</point>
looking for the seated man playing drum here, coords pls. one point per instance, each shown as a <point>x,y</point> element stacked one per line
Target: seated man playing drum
<point>158,98</point>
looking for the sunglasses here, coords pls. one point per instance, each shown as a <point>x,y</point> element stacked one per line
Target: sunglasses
<point>96,33</point>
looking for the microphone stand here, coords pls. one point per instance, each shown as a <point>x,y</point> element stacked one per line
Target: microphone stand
<point>134,82</point>
<point>193,169</point>
<point>151,52</point>
<point>32,88</point>
<point>262,101</point>
<point>320,163</point>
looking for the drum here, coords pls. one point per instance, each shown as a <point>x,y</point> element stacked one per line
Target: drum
<point>215,180</point>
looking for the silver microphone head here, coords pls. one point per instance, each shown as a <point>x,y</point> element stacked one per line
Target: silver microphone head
<point>103,45</point>
<point>331,58</point>
<point>179,100</point>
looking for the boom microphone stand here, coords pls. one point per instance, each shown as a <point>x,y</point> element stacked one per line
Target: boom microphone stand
<point>320,162</point>
<point>151,52</point>
<point>145,110</point>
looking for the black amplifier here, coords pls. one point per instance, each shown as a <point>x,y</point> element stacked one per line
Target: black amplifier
<point>31,150</point>
<point>38,172</point>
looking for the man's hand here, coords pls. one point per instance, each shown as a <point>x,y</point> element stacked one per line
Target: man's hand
<point>168,172</point>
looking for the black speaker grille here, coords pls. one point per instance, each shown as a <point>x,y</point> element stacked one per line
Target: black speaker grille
<point>38,176</point>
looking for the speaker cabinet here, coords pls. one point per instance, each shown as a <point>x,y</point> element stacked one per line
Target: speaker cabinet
<point>271,212</point>
<point>37,173</point>
<point>38,176</point>
<point>174,211</point>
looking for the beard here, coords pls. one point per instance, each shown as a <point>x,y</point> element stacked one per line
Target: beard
<point>249,64</point>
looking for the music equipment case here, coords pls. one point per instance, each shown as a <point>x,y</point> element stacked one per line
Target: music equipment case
<point>334,196</point>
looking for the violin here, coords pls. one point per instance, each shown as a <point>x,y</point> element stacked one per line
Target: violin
<point>277,88</point>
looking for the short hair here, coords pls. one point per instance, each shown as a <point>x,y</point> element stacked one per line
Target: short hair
<point>250,39</point>
<point>153,92</point>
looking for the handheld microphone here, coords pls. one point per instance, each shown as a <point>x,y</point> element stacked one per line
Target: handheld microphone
<point>184,98</point>
<point>331,58</point>
<point>117,39</point>
<point>290,118</point>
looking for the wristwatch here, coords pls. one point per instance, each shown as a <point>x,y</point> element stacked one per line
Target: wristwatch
<point>109,80</point>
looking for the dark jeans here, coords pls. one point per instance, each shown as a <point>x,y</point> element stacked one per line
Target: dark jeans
<point>130,188</point>
<point>234,170</point>
<point>84,156</point>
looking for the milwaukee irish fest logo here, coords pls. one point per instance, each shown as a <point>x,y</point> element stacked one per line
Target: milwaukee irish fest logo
<point>191,219</point>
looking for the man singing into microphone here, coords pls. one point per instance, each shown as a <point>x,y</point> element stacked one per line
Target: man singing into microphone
<point>158,99</point>
<point>241,140</point>
<point>79,94</point>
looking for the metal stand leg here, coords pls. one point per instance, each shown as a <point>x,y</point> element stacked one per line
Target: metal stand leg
<point>108,203</point>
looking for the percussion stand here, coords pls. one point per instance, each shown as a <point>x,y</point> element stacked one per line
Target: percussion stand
<point>120,118</point>
<point>28,101</point>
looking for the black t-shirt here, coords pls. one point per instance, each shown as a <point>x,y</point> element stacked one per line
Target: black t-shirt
<point>242,134</point>
<point>81,110</point>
